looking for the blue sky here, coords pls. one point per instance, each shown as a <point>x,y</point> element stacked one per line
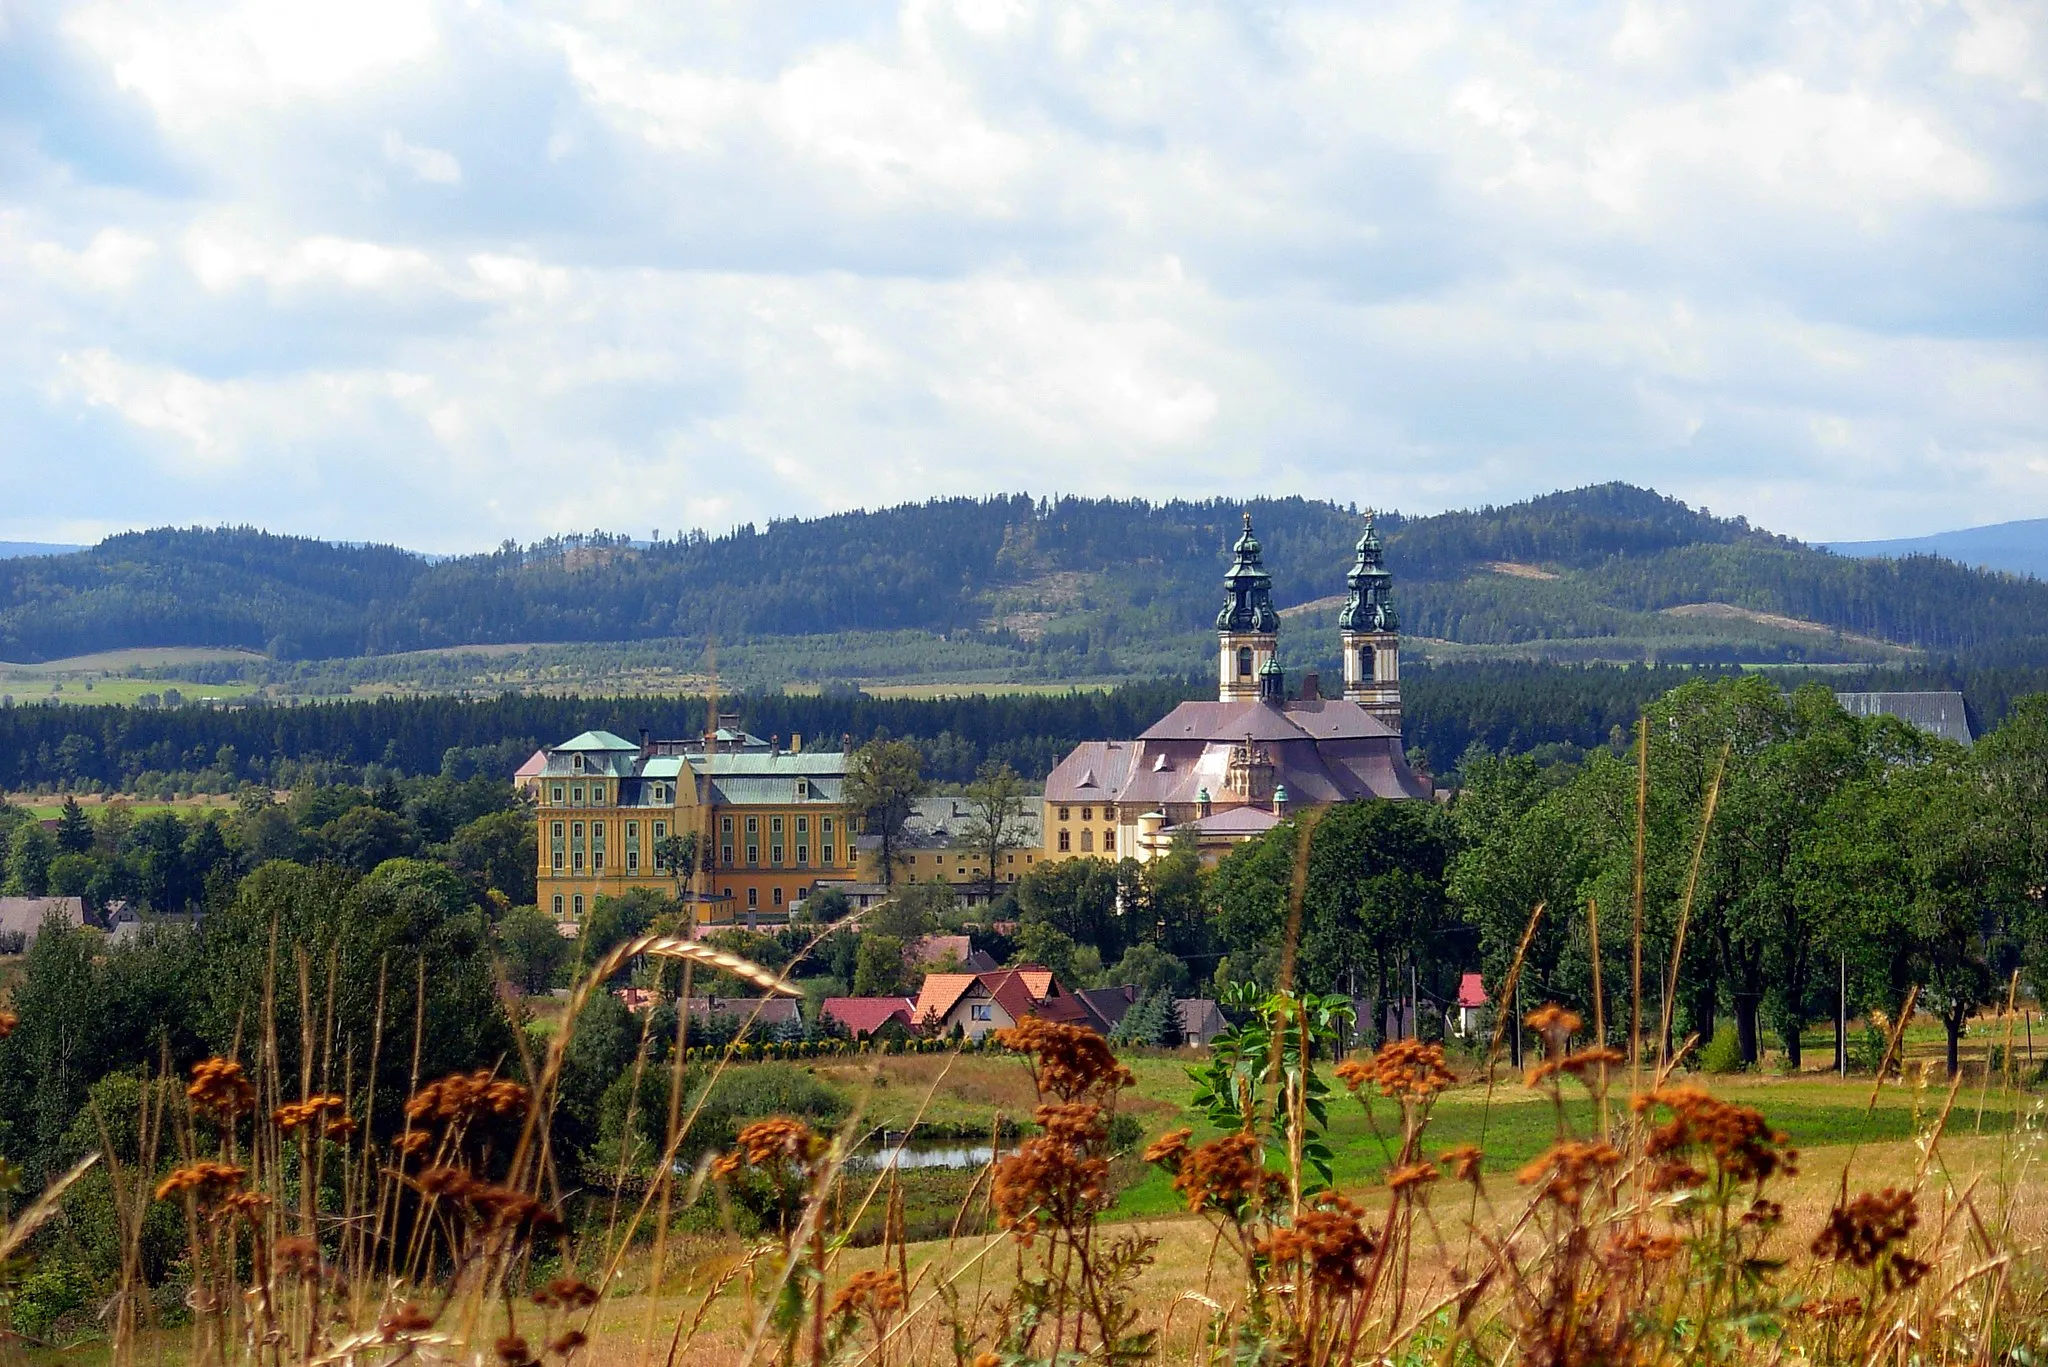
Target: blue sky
<point>447,274</point>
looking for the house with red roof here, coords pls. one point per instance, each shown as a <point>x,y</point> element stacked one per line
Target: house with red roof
<point>863,1016</point>
<point>976,1003</point>
<point>1471,1001</point>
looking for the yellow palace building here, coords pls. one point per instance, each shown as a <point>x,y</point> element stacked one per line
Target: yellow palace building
<point>769,822</point>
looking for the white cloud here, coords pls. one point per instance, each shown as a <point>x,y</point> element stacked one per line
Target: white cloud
<point>448,273</point>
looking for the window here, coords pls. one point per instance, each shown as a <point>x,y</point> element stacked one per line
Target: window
<point>1087,842</point>
<point>555,848</point>
<point>576,796</point>
<point>825,827</point>
<point>659,830</point>
<point>775,825</point>
<point>576,763</point>
<point>725,854</point>
<point>576,846</point>
<point>555,795</point>
<point>1087,813</point>
<point>825,855</point>
<point>803,856</point>
<point>803,790</point>
<point>725,825</point>
<point>1066,842</point>
<point>1365,663</point>
<point>775,854</point>
<point>803,825</point>
<point>753,853</point>
<point>753,898</point>
<point>558,906</point>
<point>778,895</point>
<point>753,825</point>
<point>979,1011</point>
<point>1244,662</point>
<point>1108,841</point>
<point>579,906</point>
<point>597,795</point>
<point>632,847</point>
<point>1063,814</point>
<point>597,846</point>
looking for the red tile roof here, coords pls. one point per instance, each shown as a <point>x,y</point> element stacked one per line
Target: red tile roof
<point>1472,990</point>
<point>865,1015</point>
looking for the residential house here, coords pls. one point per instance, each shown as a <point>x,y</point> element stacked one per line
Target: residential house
<point>23,918</point>
<point>863,1016</point>
<point>1464,1019</point>
<point>977,1003</point>
<point>1201,1021</point>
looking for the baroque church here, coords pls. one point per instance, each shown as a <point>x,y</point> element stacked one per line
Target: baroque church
<point>1230,770</point>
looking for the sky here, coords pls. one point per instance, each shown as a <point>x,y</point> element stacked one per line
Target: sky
<point>447,274</point>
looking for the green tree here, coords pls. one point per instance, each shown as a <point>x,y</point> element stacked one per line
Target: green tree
<point>366,836</point>
<point>1151,968</point>
<point>29,856</point>
<point>1171,891</point>
<point>74,830</point>
<point>878,969</point>
<point>1153,1021</point>
<point>913,913</point>
<point>1079,898</point>
<point>2014,761</point>
<point>883,779</point>
<point>57,1049</point>
<point>72,875</point>
<point>614,920</point>
<point>533,948</point>
<point>497,851</point>
<point>996,818</point>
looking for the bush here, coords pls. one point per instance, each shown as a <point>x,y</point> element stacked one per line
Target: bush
<point>48,1296</point>
<point>1723,1053</point>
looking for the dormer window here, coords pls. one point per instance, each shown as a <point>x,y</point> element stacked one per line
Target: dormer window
<point>576,763</point>
<point>803,790</point>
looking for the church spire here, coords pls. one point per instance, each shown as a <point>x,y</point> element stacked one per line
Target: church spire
<point>1247,627</point>
<point>1370,630</point>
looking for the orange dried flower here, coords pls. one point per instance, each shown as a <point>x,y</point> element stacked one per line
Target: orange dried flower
<point>298,1256</point>
<point>567,1293</point>
<point>1832,1309</point>
<point>294,1114</point>
<point>1329,1242</point>
<point>1074,1063</point>
<point>1464,1162</point>
<point>876,1293</point>
<point>1406,1069</point>
<point>1635,1244</point>
<point>221,1090</point>
<point>1414,1175</point>
<point>513,1352</point>
<point>1555,1023</point>
<point>9,1022</point>
<point>1229,1175</point>
<point>1738,1139</point>
<point>1868,1227</point>
<point>778,1143</point>
<point>461,1098</point>
<point>405,1321</point>
<point>567,1342</point>
<point>1169,1149</point>
<point>207,1181</point>
<point>1567,1168</point>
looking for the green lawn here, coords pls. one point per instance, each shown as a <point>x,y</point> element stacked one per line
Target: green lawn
<point>114,692</point>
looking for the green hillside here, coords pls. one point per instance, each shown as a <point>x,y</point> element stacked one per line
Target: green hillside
<point>1010,588</point>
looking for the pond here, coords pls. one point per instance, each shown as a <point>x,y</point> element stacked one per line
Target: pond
<point>940,1154</point>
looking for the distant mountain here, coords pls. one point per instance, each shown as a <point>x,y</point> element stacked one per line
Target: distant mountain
<point>2014,547</point>
<point>1047,588</point>
<point>10,550</point>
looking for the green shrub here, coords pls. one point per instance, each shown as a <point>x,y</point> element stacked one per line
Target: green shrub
<point>52,1293</point>
<point>1723,1053</point>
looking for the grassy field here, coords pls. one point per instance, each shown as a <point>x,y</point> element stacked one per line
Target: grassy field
<point>44,808</point>
<point>115,692</point>
<point>1843,1130</point>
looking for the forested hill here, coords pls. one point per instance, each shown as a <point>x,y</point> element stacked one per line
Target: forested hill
<point>1606,572</point>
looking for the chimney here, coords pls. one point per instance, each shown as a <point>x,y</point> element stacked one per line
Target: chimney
<point>643,740</point>
<point>796,743</point>
<point>1311,687</point>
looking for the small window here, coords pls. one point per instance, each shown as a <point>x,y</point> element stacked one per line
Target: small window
<point>1087,813</point>
<point>597,795</point>
<point>979,1011</point>
<point>576,796</point>
<point>556,795</point>
<point>803,825</point>
<point>775,825</point>
<point>579,906</point>
<point>1109,841</point>
<point>803,790</point>
<point>1087,842</point>
<point>753,898</point>
<point>753,854</point>
<point>775,854</point>
<point>1066,842</point>
<point>1063,814</point>
<point>725,855</point>
<point>1244,662</point>
<point>576,763</point>
<point>778,895</point>
<point>753,825</point>
<point>1365,663</point>
<point>825,855</point>
<point>803,856</point>
<point>825,826</point>
<point>725,824</point>
<point>558,906</point>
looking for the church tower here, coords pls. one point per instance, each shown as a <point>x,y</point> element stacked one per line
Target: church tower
<point>1371,633</point>
<point>1247,628</point>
